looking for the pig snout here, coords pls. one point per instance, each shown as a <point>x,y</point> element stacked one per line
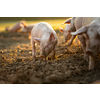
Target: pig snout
<point>89,52</point>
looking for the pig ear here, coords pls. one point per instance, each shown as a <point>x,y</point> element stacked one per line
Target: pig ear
<point>52,37</point>
<point>37,40</point>
<point>67,21</point>
<point>61,30</point>
<point>80,31</point>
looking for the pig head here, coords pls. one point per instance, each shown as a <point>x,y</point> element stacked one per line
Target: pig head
<point>46,46</point>
<point>92,35</point>
<point>8,28</point>
<point>66,32</point>
<point>70,27</point>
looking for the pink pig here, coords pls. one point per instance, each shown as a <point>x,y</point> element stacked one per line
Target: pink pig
<point>16,27</point>
<point>88,31</point>
<point>67,34</point>
<point>67,31</point>
<point>44,35</point>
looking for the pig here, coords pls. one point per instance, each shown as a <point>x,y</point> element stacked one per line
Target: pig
<point>16,27</point>
<point>75,25</point>
<point>44,35</point>
<point>27,29</point>
<point>70,21</point>
<point>66,32</point>
<point>89,30</point>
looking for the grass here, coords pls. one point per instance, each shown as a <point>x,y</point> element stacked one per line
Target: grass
<point>55,23</point>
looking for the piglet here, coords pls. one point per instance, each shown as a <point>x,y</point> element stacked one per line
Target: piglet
<point>16,27</point>
<point>44,35</point>
<point>67,34</point>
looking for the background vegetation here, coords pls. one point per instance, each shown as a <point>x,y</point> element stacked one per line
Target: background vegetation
<point>29,18</point>
<point>55,22</point>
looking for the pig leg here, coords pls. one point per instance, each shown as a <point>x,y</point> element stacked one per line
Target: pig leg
<point>72,39</point>
<point>91,62</point>
<point>33,47</point>
<point>68,36</point>
<point>83,44</point>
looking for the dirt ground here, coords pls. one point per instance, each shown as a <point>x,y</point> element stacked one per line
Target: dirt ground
<point>17,66</point>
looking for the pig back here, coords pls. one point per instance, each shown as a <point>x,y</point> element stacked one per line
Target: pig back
<point>83,21</point>
<point>89,20</point>
<point>78,22</point>
<point>17,26</point>
<point>42,30</point>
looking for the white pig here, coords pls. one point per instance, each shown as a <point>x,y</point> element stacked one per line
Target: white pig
<point>16,27</point>
<point>90,32</point>
<point>44,35</point>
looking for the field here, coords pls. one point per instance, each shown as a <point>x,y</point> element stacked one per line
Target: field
<point>56,23</point>
<point>17,66</point>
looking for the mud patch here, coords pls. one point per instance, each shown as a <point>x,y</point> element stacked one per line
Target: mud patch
<point>17,66</point>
